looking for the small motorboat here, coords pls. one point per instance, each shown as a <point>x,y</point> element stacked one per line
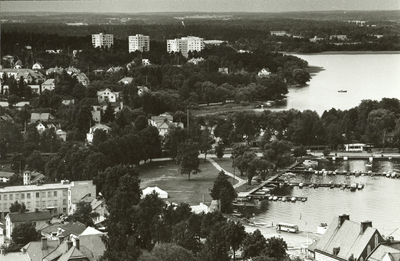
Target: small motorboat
<point>275,198</point>
<point>310,163</point>
<point>271,198</point>
<point>301,185</point>
<point>293,199</point>
<point>353,187</point>
<point>360,186</point>
<point>342,90</point>
<point>284,199</point>
<point>303,199</point>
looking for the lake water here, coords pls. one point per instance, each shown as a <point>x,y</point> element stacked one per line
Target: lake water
<point>363,76</point>
<point>378,202</point>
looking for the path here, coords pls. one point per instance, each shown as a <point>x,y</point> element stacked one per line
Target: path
<point>218,167</point>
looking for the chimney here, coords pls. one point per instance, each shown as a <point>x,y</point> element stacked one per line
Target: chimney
<point>69,244</point>
<point>364,226</point>
<point>342,218</point>
<point>77,243</point>
<point>44,243</point>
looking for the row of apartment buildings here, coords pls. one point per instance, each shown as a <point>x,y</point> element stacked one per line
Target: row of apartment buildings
<point>141,43</point>
<point>56,197</point>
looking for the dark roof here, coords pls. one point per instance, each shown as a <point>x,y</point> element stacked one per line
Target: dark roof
<point>75,228</point>
<point>30,216</point>
<point>6,174</point>
<point>347,237</point>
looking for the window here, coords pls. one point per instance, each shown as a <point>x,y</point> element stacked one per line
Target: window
<point>43,194</point>
<point>55,193</point>
<point>376,240</point>
<point>11,196</point>
<point>49,194</point>
<point>368,249</point>
<point>64,192</point>
<point>43,203</point>
<point>55,203</point>
<point>37,195</point>
<point>64,210</point>
<point>64,202</point>
<point>28,195</point>
<point>16,196</point>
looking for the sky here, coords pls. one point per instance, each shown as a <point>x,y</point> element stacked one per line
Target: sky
<point>138,6</point>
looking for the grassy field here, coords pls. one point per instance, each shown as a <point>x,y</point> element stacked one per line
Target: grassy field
<point>166,176</point>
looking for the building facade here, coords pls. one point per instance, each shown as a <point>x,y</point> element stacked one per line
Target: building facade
<point>139,42</point>
<point>185,45</point>
<point>102,40</point>
<point>57,197</point>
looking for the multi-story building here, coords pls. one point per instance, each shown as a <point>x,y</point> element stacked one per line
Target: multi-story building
<point>185,45</point>
<point>102,40</point>
<point>58,197</point>
<point>139,42</point>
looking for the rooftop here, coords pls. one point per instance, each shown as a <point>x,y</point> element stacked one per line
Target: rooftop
<point>29,216</point>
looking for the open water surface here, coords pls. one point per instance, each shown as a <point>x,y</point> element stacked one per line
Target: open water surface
<point>363,76</point>
<point>379,201</point>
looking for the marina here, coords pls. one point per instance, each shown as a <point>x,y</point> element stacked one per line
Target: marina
<point>327,194</point>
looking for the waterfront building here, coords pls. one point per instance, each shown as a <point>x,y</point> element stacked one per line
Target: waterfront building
<point>102,40</point>
<point>56,197</point>
<point>346,240</point>
<point>139,42</point>
<point>185,45</point>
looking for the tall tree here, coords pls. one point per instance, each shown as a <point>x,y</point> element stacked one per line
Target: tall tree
<point>188,158</point>
<point>223,191</point>
<point>84,214</point>
<point>235,234</point>
<point>254,244</point>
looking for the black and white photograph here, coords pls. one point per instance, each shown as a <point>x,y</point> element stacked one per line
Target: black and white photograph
<point>200,130</point>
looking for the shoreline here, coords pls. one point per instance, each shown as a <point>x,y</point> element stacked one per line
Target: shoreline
<point>346,52</point>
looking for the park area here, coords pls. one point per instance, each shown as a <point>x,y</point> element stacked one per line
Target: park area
<point>166,176</point>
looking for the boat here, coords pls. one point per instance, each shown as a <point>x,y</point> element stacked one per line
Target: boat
<point>311,185</point>
<point>360,186</point>
<point>342,90</point>
<point>293,199</point>
<point>301,185</point>
<point>246,202</point>
<point>303,199</point>
<point>369,165</point>
<point>284,199</point>
<point>270,197</point>
<point>353,187</point>
<point>275,198</point>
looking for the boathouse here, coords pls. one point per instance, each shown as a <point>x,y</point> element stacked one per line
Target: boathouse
<point>347,240</point>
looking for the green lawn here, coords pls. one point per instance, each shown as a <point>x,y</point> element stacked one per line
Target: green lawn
<point>166,176</point>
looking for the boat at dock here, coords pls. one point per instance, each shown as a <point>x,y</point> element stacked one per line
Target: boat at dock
<point>293,199</point>
<point>342,90</point>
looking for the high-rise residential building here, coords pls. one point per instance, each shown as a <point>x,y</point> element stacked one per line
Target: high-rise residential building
<point>139,42</point>
<point>102,40</point>
<point>185,45</point>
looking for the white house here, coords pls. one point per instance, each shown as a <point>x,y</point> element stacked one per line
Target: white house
<point>126,80</point>
<point>41,127</point>
<point>89,136</point>
<point>263,73</point>
<point>38,219</point>
<point>37,66</point>
<point>49,84</point>
<point>107,96</point>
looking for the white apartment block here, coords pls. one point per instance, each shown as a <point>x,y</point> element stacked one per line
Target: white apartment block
<point>185,45</point>
<point>139,42</point>
<point>57,197</point>
<point>102,40</point>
